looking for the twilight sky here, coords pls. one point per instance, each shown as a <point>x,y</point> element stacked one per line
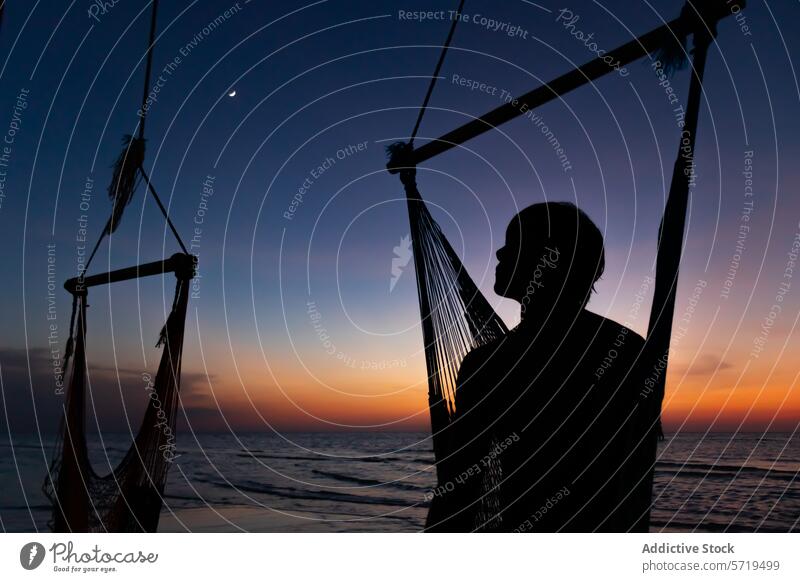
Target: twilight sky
<point>281,189</point>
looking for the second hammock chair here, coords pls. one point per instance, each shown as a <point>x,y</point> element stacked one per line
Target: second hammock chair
<point>129,498</point>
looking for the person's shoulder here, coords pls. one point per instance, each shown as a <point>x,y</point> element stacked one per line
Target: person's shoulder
<point>479,355</point>
<point>614,330</point>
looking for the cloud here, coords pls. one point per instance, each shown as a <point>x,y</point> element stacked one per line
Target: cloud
<point>704,365</point>
<point>31,402</point>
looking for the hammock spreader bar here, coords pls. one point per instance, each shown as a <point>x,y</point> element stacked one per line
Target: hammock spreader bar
<point>177,263</point>
<point>694,18</point>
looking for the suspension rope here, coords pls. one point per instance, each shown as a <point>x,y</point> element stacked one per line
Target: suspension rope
<point>435,76</point>
<point>152,190</point>
<point>148,67</point>
<point>140,138</point>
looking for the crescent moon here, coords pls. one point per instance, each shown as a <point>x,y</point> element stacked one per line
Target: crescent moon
<point>232,93</point>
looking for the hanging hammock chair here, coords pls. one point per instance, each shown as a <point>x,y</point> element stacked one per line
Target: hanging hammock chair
<point>129,498</point>
<point>457,318</point>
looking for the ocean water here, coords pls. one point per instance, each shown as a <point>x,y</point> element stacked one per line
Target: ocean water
<point>377,482</point>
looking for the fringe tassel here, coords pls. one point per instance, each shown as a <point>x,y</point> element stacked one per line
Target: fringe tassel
<point>162,336</point>
<point>672,55</point>
<point>125,178</point>
<point>69,347</point>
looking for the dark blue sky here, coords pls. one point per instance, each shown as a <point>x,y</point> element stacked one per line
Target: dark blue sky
<point>315,80</point>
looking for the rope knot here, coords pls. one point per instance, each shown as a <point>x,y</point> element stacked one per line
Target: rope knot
<point>400,161</point>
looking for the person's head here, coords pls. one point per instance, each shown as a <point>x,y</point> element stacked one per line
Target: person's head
<point>553,253</point>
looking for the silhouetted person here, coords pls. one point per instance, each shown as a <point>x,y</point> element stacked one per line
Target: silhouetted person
<point>546,428</point>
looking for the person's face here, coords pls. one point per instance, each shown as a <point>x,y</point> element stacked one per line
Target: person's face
<point>509,263</point>
<point>528,270</point>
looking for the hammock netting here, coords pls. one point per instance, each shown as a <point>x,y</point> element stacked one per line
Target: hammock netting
<point>456,317</point>
<point>129,498</point>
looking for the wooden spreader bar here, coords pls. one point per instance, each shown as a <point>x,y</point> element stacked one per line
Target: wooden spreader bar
<point>180,264</point>
<point>695,17</point>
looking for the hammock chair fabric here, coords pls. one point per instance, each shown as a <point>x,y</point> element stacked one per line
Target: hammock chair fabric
<point>129,498</point>
<point>456,317</point>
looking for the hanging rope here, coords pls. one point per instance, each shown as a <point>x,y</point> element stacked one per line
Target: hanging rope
<point>436,70</point>
<point>126,176</point>
<point>148,68</point>
<point>129,165</point>
<point>152,190</point>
